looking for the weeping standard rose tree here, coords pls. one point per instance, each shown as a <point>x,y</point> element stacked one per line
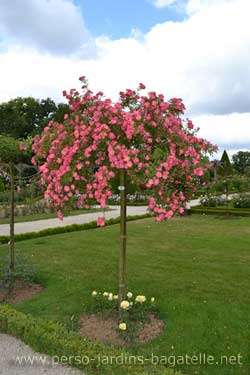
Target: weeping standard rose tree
<point>140,137</point>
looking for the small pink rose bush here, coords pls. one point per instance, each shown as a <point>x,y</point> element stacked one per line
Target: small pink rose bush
<point>141,133</point>
<point>134,313</point>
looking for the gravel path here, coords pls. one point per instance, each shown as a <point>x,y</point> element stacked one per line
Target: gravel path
<point>35,226</point>
<point>13,354</point>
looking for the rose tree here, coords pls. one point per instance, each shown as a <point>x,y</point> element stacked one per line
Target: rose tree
<point>140,136</point>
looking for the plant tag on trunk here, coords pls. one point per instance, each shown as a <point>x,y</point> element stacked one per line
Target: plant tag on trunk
<point>121,188</point>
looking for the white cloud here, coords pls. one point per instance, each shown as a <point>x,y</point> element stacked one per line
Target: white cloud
<point>163,3</point>
<point>26,72</point>
<point>51,25</point>
<point>188,6</point>
<point>204,59</point>
<point>230,132</point>
<point>193,6</point>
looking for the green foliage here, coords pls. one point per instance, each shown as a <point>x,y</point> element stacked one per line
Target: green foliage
<point>212,201</point>
<point>242,201</point>
<point>241,160</point>
<point>24,270</point>
<point>2,186</point>
<point>247,171</point>
<point>55,340</point>
<point>9,150</point>
<point>24,195</point>
<point>240,184</point>
<point>224,168</point>
<point>22,117</point>
<point>230,184</point>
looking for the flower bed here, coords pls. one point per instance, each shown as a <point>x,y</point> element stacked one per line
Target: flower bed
<point>135,322</point>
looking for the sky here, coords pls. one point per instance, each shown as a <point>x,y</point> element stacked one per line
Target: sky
<point>197,50</point>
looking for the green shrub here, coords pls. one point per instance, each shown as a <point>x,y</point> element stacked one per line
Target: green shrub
<point>242,201</point>
<point>55,340</point>
<point>212,201</point>
<point>23,270</point>
<point>216,211</point>
<point>239,184</point>
<point>2,186</point>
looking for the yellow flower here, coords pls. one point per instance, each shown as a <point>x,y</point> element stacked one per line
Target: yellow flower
<point>110,297</point>
<point>152,299</point>
<point>94,293</point>
<point>124,305</point>
<point>122,326</point>
<point>115,297</point>
<point>140,299</point>
<point>105,294</point>
<point>130,295</point>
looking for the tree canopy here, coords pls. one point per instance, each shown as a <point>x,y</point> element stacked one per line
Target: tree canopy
<point>241,161</point>
<point>22,117</point>
<point>13,151</point>
<point>9,150</point>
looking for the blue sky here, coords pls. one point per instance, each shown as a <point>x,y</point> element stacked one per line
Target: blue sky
<point>116,18</point>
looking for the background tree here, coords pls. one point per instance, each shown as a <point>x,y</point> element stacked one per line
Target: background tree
<point>241,160</point>
<point>22,117</point>
<point>140,137</point>
<point>225,164</point>
<point>12,153</point>
<point>224,172</point>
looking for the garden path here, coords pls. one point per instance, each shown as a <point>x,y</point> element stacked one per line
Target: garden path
<point>16,359</point>
<point>36,226</point>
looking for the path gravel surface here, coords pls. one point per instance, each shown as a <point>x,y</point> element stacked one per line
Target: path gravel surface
<point>36,226</point>
<point>16,359</point>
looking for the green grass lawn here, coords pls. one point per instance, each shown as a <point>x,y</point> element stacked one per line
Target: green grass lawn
<point>197,268</point>
<point>21,219</point>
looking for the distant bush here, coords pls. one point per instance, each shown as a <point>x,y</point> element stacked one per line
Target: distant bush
<point>242,201</point>
<point>240,184</point>
<point>212,201</point>
<point>2,187</point>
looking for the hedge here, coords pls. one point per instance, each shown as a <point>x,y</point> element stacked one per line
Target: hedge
<point>216,211</point>
<point>68,228</point>
<point>55,340</point>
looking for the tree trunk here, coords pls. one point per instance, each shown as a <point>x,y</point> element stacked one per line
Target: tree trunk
<point>123,232</point>
<point>12,221</point>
